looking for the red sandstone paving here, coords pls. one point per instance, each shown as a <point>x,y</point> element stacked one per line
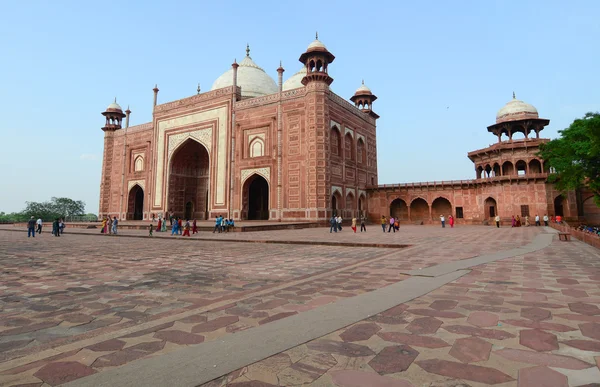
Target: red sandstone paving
<point>499,307</point>
<point>172,278</point>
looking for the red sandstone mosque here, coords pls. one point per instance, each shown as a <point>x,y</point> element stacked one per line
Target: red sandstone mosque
<point>251,148</point>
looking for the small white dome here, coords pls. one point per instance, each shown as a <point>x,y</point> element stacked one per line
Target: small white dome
<point>250,77</point>
<point>316,44</point>
<point>295,81</point>
<point>363,89</point>
<point>114,106</point>
<point>516,110</point>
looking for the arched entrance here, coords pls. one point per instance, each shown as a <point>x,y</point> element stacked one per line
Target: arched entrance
<point>188,181</point>
<point>135,203</point>
<point>336,201</point>
<point>441,206</point>
<point>350,206</point>
<point>490,208</point>
<point>399,209</point>
<point>419,210</point>
<point>256,193</point>
<point>591,211</point>
<point>189,210</point>
<point>559,206</point>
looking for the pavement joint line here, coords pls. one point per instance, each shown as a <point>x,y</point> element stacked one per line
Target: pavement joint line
<point>7,365</point>
<point>195,365</point>
<point>266,241</point>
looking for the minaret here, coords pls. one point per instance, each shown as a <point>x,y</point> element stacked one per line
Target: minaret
<point>280,71</point>
<point>198,89</point>
<point>127,114</point>
<point>155,94</point>
<point>318,175</point>
<point>363,99</point>
<point>114,115</point>
<point>316,59</point>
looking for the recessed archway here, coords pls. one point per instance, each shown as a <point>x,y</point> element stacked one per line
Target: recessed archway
<point>256,194</point>
<point>535,166</point>
<point>350,205</point>
<point>419,209</point>
<point>399,209</point>
<point>559,204</point>
<point>188,180</point>
<point>441,206</point>
<point>591,211</point>
<point>521,167</point>
<point>490,208</point>
<point>189,211</point>
<point>135,203</point>
<point>336,203</point>
<point>507,168</point>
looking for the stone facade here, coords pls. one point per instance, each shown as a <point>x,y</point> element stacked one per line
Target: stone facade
<point>304,153</point>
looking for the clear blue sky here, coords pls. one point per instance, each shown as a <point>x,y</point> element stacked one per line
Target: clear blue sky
<point>441,70</point>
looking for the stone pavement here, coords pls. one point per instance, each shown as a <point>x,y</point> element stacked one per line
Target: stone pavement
<point>78,305</point>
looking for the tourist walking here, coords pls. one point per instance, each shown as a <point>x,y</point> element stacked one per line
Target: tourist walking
<point>151,229</point>
<point>194,227</point>
<point>102,230</point>
<point>31,227</point>
<point>383,222</point>
<point>218,222</point>
<point>159,226</point>
<point>362,224</point>
<point>39,226</point>
<point>451,221</point>
<point>109,225</point>
<point>332,224</point>
<point>174,228</point>
<point>180,225</point>
<point>115,223</point>
<point>518,221</point>
<point>443,220</point>
<point>545,219</point>
<point>186,228</point>
<point>513,222</point>
<point>163,227</point>
<point>537,220</point>
<point>61,225</point>
<point>392,225</point>
<point>526,220</point>
<point>354,225</point>
<point>56,228</point>
<point>339,222</point>
<point>497,219</point>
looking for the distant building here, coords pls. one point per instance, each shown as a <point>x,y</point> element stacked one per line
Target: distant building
<point>251,148</point>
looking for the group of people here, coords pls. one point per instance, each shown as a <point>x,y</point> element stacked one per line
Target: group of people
<point>109,225</point>
<point>517,222</point>
<point>223,224</point>
<point>335,224</point>
<point>35,226</point>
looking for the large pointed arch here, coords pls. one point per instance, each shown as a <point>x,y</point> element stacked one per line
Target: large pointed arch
<point>135,203</point>
<point>256,198</point>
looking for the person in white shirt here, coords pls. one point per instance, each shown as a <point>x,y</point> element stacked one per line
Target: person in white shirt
<point>497,219</point>
<point>443,220</point>
<point>545,220</point>
<point>339,222</point>
<point>537,220</point>
<point>39,226</point>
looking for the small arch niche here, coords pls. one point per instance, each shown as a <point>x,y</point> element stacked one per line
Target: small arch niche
<point>257,148</point>
<point>138,164</point>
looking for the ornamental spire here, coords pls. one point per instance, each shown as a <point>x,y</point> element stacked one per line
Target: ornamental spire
<point>317,35</point>
<point>514,95</point>
<point>247,50</point>
<point>198,89</point>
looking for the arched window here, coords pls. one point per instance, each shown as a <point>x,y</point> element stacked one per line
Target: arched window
<point>335,142</point>
<point>348,142</point>
<point>138,164</point>
<point>361,154</point>
<point>257,148</point>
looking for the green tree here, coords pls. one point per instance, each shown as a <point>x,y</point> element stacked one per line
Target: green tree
<point>67,207</point>
<point>575,156</point>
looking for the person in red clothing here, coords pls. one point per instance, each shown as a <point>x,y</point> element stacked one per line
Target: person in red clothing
<point>186,228</point>
<point>194,227</point>
<point>180,225</point>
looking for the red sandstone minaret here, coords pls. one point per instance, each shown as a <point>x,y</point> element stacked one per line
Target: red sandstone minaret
<point>363,99</point>
<point>114,115</point>
<point>316,58</point>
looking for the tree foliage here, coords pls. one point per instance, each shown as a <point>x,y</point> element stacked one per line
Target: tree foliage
<point>49,210</point>
<point>575,156</point>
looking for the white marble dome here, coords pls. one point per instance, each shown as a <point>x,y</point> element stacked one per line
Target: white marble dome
<point>114,106</point>
<point>295,81</point>
<point>363,89</point>
<point>316,44</point>
<point>516,110</point>
<point>250,77</point>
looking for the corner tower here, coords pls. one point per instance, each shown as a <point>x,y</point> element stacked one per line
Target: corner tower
<point>363,99</point>
<point>316,59</point>
<point>114,116</point>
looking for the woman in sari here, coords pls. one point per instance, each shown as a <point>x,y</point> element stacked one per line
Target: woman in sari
<point>103,229</point>
<point>163,227</point>
<point>514,221</point>
<point>194,227</point>
<point>158,228</point>
<point>451,221</point>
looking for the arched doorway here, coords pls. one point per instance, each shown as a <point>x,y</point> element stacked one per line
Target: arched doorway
<point>336,201</point>
<point>189,210</point>
<point>256,192</point>
<point>419,210</point>
<point>399,209</point>
<point>135,203</point>
<point>559,206</point>
<point>507,168</point>
<point>441,206</point>
<point>350,206</point>
<point>188,181</point>
<point>360,205</point>
<point>490,208</point>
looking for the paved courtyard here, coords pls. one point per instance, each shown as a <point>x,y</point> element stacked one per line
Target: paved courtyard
<point>96,310</point>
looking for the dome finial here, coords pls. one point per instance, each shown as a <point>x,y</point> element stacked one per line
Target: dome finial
<point>198,89</point>
<point>514,97</point>
<point>247,50</point>
<point>317,35</point>
<point>363,81</point>
<point>115,99</point>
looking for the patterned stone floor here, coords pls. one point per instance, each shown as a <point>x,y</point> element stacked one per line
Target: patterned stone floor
<point>531,320</point>
<point>77,305</point>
